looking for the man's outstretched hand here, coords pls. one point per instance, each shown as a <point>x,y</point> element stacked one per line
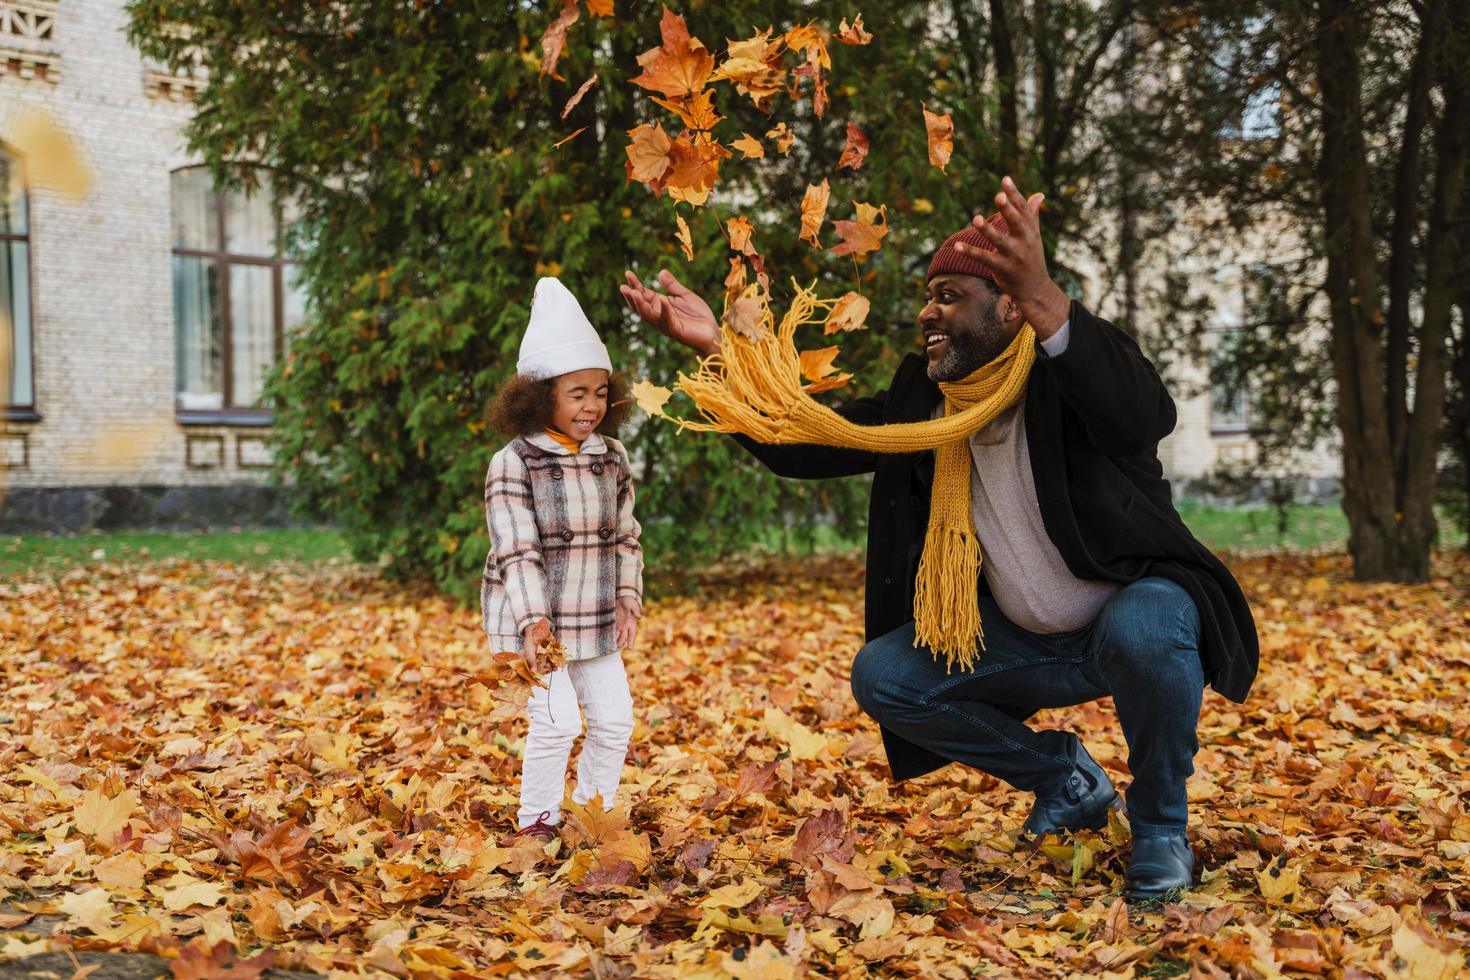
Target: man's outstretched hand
<point>679,313</point>
<point>1019,260</point>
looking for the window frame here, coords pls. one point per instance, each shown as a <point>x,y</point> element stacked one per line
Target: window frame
<point>223,259</point>
<point>11,411</point>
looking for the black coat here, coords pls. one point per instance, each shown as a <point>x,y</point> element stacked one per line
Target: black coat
<point>1094,416</point>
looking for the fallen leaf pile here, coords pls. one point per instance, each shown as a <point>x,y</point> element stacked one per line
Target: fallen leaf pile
<point>318,770</point>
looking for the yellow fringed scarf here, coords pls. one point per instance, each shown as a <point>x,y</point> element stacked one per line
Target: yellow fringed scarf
<point>754,387</point>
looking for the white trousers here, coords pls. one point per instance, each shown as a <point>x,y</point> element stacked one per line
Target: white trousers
<point>600,688</point>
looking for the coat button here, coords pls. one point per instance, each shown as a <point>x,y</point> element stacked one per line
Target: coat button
<point>556,472</point>
<point>596,469</point>
<point>567,535</point>
<point>888,581</point>
<point>604,532</point>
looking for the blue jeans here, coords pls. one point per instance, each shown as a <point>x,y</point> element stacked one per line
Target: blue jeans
<point>1143,649</point>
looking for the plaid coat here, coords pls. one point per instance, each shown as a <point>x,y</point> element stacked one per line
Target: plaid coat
<point>563,543</point>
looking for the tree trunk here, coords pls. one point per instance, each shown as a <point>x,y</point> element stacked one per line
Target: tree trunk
<point>1005,71</point>
<point>1383,544</point>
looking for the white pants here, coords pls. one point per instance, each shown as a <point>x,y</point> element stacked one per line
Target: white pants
<point>600,687</point>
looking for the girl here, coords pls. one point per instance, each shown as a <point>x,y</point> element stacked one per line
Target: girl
<point>564,554</point>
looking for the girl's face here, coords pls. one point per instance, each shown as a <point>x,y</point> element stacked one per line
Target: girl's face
<point>579,402</point>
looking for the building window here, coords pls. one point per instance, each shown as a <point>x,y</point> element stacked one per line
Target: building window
<point>236,298</point>
<point>18,395</point>
<point>1229,404</point>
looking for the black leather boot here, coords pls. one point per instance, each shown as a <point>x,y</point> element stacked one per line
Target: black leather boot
<point>1160,868</point>
<point>1080,803</point>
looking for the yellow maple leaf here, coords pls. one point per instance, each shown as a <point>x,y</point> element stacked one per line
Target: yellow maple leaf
<point>750,146</point>
<point>101,817</point>
<point>650,397</point>
<point>1279,881</point>
<point>90,909</point>
<point>733,896</point>
<point>802,742</point>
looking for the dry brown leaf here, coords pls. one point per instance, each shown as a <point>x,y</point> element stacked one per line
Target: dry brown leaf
<point>577,96</point>
<point>680,67</point>
<point>555,38</point>
<point>855,151</point>
<point>850,313</point>
<point>940,130</point>
<point>854,34</point>
<point>814,212</point>
<point>864,232</point>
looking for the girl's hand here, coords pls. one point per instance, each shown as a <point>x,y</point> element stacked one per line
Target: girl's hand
<point>626,614</point>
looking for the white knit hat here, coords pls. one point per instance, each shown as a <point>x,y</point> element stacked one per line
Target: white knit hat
<point>559,339</point>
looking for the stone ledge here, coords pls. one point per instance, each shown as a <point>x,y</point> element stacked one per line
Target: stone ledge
<point>70,509</point>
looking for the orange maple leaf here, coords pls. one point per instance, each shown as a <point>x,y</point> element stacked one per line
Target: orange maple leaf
<point>555,38</point>
<point>735,280</point>
<point>754,67</point>
<point>854,34</point>
<point>604,8</point>
<point>855,152</point>
<point>813,212</point>
<point>680,67</point>
<point>849,314</point>
<point>863,234</point>
<point>941,137</point>
<point>696,111</point>
<point>694,165</point>
<point>648,155</point>
<point>750,146</point>
<point>817,367</point>
<point>740,229</point>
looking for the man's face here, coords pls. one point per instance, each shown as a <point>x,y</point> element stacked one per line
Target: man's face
<point>961,328</point>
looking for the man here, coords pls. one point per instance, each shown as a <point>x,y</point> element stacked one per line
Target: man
<point>1092,585</point>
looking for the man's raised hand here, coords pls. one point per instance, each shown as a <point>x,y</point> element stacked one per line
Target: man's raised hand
<point>679,313</point>
<point>1019,260</point>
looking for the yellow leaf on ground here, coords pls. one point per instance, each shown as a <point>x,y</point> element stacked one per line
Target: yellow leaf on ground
<point>802,742</point>
<point>733,896</point>
<point>104,818</point>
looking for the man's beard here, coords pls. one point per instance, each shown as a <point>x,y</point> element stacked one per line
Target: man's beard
<point>971,349</point>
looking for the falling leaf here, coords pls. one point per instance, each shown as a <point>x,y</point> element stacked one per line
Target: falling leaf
<point>750,146</point>
<point>650,397</point>
<point>680,67</point>
<point>940,130</point>
<point>52,159</point>
<point>600,8</point>
<point>813,212</point>
<point>734,279</point>
<point>685,241</point>
<point>696,111</point>
<point>567,139</point>
<point>850,313</point>
<point>577,96</point>
<point>864,233</point>
<point>648,154</point>
<point>555,38</point>
<point>747,314</point>
<point>740,229</point>
<point>854,34</point>
<point>694,166</point>
<point>754,67</point>
<point>855,151</point>
<point>783,136</point>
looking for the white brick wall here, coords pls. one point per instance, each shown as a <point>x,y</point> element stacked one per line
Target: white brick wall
<point>102,297</point>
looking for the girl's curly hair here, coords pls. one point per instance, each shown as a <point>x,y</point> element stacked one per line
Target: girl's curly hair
<point>522,406</point>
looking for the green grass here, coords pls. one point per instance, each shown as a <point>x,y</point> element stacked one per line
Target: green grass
<point>1249,529</point>
<point>42,553</point>
<point>1238,530</point>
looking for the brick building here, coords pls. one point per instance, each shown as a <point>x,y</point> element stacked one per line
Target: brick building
<point>145,314</point>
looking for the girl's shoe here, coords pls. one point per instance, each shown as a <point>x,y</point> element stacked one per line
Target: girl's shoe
<point>541,830</point>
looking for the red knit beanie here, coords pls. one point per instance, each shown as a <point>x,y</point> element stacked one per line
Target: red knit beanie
<point>947,260</point>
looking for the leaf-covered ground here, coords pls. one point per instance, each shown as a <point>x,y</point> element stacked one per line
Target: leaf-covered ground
<point>237,769</point>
